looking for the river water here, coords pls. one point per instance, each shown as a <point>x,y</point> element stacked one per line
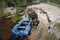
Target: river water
<point>5,28</point>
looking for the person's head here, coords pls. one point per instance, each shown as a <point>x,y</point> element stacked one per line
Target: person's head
<point>29,10</point>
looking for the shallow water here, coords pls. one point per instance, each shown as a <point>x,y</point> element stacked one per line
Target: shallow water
<point>5,28</point>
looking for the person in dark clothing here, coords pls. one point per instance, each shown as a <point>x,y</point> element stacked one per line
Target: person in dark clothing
<point>32,15</point>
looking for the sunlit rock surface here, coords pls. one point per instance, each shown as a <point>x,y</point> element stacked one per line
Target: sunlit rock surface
<point>53,13</point>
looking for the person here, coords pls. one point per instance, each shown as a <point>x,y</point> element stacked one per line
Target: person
<point>32,15</point>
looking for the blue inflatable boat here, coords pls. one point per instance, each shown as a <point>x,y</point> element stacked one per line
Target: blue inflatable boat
<point>22,28</point>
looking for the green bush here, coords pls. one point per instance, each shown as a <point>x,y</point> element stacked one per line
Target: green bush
<point>16,17</point>
<point>21,3</point>
<point>1,3</point>
<point>8,14</point>
<point>21,9</point>
<point>1,13</point>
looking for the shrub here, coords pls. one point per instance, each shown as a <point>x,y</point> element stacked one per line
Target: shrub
<point>1,13</point>
<point>8,14</point>
<point>16,17</point>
